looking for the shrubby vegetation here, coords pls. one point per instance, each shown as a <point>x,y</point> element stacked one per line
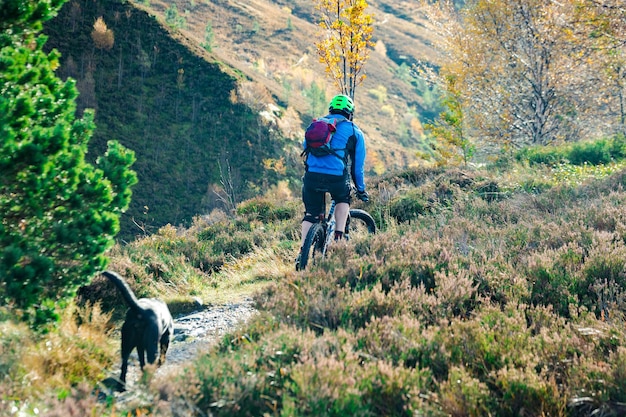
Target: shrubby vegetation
<point>477,306</point>
<point>480,303</point>
<point>599,152</point>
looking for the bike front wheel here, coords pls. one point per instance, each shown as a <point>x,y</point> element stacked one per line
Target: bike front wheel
<point>359,224</point>
<point>313,247</point>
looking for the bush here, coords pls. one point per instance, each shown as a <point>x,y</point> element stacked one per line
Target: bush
<point>408,206</point>
<point>265,210</point>
<point>546,155</point>
<point>598,152</point>
<point>594,153</point>
<point>463,395</point>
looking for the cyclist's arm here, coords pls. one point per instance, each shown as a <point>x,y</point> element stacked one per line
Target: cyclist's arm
<point>358,163</point>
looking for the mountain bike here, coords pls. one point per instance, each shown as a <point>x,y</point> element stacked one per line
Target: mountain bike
<point>322,233</point>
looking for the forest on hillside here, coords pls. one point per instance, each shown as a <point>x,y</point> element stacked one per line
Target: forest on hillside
<point>168,104</point>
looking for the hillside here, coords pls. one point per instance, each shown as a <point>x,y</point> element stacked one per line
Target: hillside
<point>272,43</point>
<point>169,104</point>
<point>158,92</point>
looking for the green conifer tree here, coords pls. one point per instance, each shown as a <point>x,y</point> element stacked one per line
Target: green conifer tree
<point>58,213</point>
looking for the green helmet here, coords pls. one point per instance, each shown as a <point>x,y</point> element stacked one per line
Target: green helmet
<point>341,103</point>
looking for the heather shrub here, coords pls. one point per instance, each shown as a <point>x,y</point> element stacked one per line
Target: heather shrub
<point>150,271</point>
<point>536,185</point>
<point>553,276</point>
<point>601,287</point>
<point>250,379</point>
<point>408,206</point>
<point>447,188</point>
<point>415,256</point>
<point>395,338</point>
<point>524,391</point>
<point>388,390</point>
<point>290,372</point>
<point>463,395</point>
<point>415,176</point>
<point>266,210</point>
<point>519,367</point>
<point>496,340</point>
<point>160,252</point>
<point>370,304</point>
<point>605,216</point>
<point>489,190</point>
<point>342,384</point>
<point>231,239</point>
<point>225,226</point>
<point>307,301</point>
<point>256,327</point>
<point>435,194</point>
<point>232,245</point>
<point>615,391</point>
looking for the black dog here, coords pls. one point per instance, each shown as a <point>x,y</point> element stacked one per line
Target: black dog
<point>148,325</point>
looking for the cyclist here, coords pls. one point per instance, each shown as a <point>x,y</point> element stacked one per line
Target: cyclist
<point>332,172</point>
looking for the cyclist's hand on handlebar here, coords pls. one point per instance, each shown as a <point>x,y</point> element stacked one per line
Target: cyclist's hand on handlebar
<point>363,196</point>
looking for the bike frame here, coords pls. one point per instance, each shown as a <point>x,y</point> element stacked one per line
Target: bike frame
<point>322,233</point>
<point>329,224</point>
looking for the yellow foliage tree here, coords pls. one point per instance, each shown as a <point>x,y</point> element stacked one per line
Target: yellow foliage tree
<point>102,36</point>
<point>603,27</point>
<point>518,69</point>
<point>346,33</point>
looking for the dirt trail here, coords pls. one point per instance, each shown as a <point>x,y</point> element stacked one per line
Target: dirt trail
<point>193,334</point>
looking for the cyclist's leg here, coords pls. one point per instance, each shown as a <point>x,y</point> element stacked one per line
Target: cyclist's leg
<point>341,215</point>
<point>340,192</point>
<point>313,204</point>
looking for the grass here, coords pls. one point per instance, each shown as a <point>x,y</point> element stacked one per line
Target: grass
<point>37,367</point>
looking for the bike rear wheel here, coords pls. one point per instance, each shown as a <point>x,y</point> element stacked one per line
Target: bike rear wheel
<point>359,224</point>
<point>313,247</point>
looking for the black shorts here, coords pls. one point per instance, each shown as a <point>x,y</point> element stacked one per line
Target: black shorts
<point>316,184</point>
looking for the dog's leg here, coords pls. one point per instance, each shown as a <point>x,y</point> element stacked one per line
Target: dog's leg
<point>165,343</point>
<point>123,373</point>
<point>142,356</point>
<point>151,342</point>
<point>128,344</point>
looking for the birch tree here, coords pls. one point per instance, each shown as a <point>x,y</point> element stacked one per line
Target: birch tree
<point>345,40</point>
<point>602,25</point>
<point>516,68</point>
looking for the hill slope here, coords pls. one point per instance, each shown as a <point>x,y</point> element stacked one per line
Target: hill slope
<point>272,43</point>
<point>169,104</point>
<point>158,92</point>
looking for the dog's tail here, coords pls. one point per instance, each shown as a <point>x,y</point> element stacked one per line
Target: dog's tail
<point>127,293</point>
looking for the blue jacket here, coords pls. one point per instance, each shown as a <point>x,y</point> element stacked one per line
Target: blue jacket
<point>332,165</point>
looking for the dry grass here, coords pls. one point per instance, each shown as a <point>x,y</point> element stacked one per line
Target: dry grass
<point>37,366</point>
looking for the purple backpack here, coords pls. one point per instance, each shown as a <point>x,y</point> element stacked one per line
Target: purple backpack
<point>318,136</point>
